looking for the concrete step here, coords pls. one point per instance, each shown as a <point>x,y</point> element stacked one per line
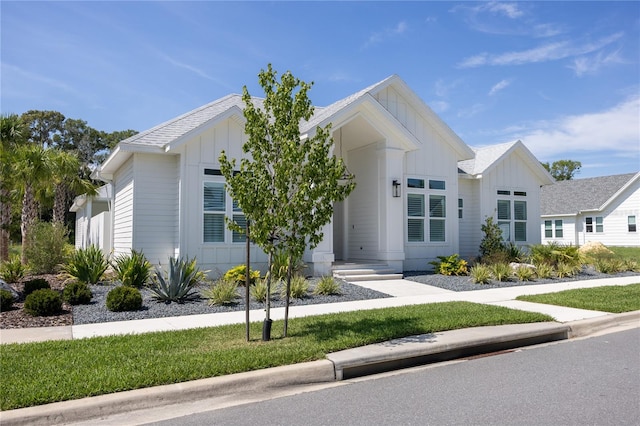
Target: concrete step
<point>364,271</point>
<point>370,277</point>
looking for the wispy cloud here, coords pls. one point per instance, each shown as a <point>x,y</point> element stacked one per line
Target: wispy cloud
<point>472,110</point>
<point>439,106</point>
<point>510,10</point>
<point>183,65</point>
<point>503,84</point>
<point>592,64</point>
<point>39,78</point>
<point>381,36</point>
<point>544,53</point>
<point>615,130</point>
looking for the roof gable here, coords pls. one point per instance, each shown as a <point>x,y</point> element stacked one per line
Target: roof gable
<point>579,195</point>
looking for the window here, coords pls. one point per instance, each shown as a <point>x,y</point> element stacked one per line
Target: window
<point>214,211</point>
<point>512,217</point>
<point>589,224</point>
<point>460,205</point>
<point>504,218</point>
<point>238,217</point>
<point>631,220</point>
<point>559,233</point>
<point>423,226</point>
<point>415,212</point>
<point>520,220</point>
<point>503,192</point>
<point>548,230</point>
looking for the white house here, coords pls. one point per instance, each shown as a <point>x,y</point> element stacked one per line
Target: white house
<point>602,209</point>
<point>421,191</point>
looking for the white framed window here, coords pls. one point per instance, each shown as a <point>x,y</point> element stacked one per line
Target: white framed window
<point>559,233</point>
<point>591,221</point>
<point>420,227</point>
<point>548,229</point>
<point>553,228</point>
<point>631,222</point>
<point>217,205</point>
<point>512,216</point>
<point>460,207</point>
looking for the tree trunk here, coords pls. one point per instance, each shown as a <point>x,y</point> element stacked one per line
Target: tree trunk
<point>28,218</point>
<point>5,221</point>
<point>60,203</point>
<point>288,296</point>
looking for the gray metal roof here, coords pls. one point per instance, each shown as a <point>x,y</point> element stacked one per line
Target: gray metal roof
<point>573,196</point>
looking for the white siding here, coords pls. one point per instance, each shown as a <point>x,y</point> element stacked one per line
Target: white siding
<point>471,222</point>
<point>363,205</point>
<point>569,230</point>
<point>81,228</point>
<point>123,209</point>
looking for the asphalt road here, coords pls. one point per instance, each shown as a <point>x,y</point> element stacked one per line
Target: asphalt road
<point>593,381</point>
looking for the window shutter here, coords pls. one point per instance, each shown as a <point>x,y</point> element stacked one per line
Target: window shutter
<point>415,230</point>
<point>214,197</point>
<point>504,210</point>
<point>415,205</point>
<point>436,230</point>
<point>520,210</point>
<point>213,228</point>
<point>520,229</point>
<point>437,206</point>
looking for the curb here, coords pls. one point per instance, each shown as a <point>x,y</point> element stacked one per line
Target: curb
<point>387,356</point>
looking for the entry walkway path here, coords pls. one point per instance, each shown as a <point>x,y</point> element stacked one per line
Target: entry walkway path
<point>403,292</point>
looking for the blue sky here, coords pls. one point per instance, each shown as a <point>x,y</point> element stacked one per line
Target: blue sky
<point>563,77</point>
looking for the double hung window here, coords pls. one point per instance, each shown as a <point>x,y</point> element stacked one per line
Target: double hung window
<point>217,205</point>
<point>419,222</point>
<point>512,215</point>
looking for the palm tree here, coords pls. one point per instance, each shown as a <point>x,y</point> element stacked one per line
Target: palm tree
<point>65,173</point>
<point>32,172</point>
<point>12,134</point>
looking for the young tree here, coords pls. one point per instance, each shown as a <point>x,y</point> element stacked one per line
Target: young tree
<point>288,185</point>
<point>563,169</point>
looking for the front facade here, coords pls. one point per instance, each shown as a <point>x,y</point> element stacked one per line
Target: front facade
<point>602,209</point>
<point>412,202</point>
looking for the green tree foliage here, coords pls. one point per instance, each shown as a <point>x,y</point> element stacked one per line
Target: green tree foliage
<point>43,126</point>
<point>563,169</point>
<point>288,185</point>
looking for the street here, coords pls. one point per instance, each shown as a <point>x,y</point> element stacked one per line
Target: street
<point>590,381</point>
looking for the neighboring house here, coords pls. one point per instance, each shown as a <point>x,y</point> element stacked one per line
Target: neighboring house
<point>602,209</point>
<point>421,191</point>
<point>93,219</point>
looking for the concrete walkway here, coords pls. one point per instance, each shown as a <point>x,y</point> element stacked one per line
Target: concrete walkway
<point>403,292</point>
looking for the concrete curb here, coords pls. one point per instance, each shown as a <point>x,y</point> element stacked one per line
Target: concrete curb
<point>589,326</point>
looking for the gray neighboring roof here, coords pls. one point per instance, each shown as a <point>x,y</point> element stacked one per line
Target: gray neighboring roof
<point>570,197</point>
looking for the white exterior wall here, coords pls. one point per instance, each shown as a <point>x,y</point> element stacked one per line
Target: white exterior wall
<point>362,221</point>
<point>100,232</point>
<point>435,159</point>
<point>198,153</point>
<point>123,209</point>
<point>81,227</point>
<point>615,225</point>
<point>569,230</point>
<point>471,222</point>
<point>512,174</point>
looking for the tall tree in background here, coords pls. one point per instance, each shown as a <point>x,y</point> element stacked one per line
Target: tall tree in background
<point>12,135</point>
<point>563,169</point>
<point>43,126</point>
<point>287,186</point>
<point>65,173</point>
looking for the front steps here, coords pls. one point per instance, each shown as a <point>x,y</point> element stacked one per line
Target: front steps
<point>351,271</point>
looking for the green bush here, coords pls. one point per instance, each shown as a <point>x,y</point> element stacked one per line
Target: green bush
<point>299,288</point>
<point>77,293</point>
<point>132,270</point>
<point>609,266</point>
<point>480,274</point>
<point>450,265</point>
<point>87,265</point>
<point>514,253</point>
<point>259,290</point>
<point>221,292</point>
<point>631,265</point>
<point>43,302</point>
<point>12,270</point>
<point>35,284</point>
<point>544,270</point>
<point>124,298</point>
<point>564,270</point>
<point>501,271</point>
<point>553,253</point>
<point>179,282</point>
<point>492,241</point>
<point>6,300</point>
<point>47,247</point>
<point>280,264</point>
<point>327,286</point>
<point>237,274</point>
<point>525,273</point>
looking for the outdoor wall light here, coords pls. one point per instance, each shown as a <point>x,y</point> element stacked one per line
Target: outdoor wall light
<point>396,188</point>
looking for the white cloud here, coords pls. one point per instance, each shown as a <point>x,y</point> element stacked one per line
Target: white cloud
<point>188,67</point>
<point>439,106</point>
<point>471,111</point>
<point>593,64</point>
<point>379,37</point>
<point>510,10</point>
<point>544,53</point>
<point>503,84</point>
<point>616,130</point>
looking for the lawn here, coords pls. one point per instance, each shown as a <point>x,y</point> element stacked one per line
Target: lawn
<point>614,299</point>
<point>626,252</point>
<point>40,373</point>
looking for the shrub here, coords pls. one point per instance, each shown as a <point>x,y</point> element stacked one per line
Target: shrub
<point>553,253</point>
<point>564,270</point>
<point>132,270</point>
<point>280,264</point>
<point>480,274</point>
<point>630,265</point>
<point>178,284</point>
<point>221,292</point>
<point>514,253</point>
<point>77,293</point>
<point>12,270</point>
<point>124,298</point>
<point>237,275</point>
<point>327,286</point>
<point>87,265</point>
<point>609,266</point>
<point>450,265</point>
<point>259,291</point>
<point>6,300</point>
<point>298,289</point>
<point>544,270</point>
<point>35,284</point>
<point>525,273</point>
<point>492,240</point>
<point>43,302</point>
<point>47,248</point>
<point>501,271</point>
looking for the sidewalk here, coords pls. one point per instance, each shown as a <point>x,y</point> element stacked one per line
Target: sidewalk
<point>403,292</point>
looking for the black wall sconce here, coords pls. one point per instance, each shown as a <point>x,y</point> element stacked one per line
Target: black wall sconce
<point>396,188</point>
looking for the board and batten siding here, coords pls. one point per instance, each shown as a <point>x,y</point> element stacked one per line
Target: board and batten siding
<point>471,222</point>
<point>362,221</point>
<point>197,154</point>
<point>156,208</point>
<point>123,209</point>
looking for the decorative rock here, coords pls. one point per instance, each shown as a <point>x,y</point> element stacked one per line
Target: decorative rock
<point>515,266</point>
<point>4,286</point>
<point>594,247</point>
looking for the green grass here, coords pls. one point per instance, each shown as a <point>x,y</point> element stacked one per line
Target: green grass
<point>615,299</point>
<point>626,252</point>
<point>45,372</point>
